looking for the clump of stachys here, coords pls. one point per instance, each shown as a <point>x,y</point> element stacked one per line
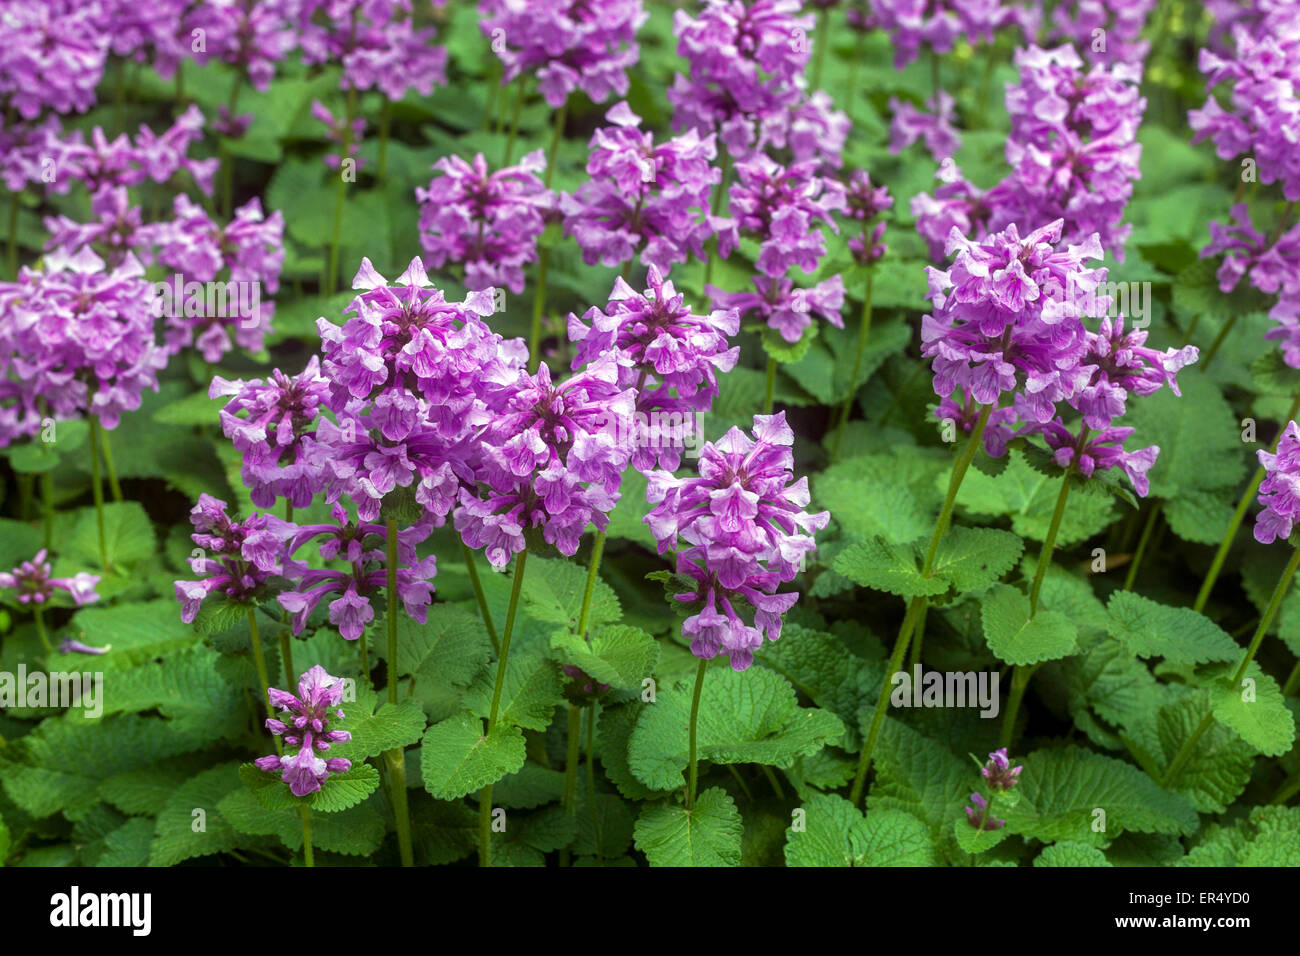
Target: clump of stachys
<point>1009,322</point>
<point>236,559</point>
<point>642,196</point>
<point>784,209</point>
<point>668,354</point>
<point>1073,153</point>
<point>1105,31</point>
<point>486,222</point>
<point>1001,779</point>
<point>745,81</point>
<point>376,42</point>
<point>565,45</point>
<point>412,377</point>
<point>551,459</point>
<point>739,530</point>
<point>1279,492</point>
<point>361,545</point>
<point>305,724</point>
<point>52,55</point>
<point>76,339</point>
<point>32,583</point>
<point>940,23</point>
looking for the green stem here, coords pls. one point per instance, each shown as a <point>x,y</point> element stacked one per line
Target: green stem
<point>593,569</point>
<point>396,758</point>
<point>859,54</point>
<point>719,195</point>
<point>39,615</point>
<point>820,43</point>
<point>114,488</point>
<point>1020,678</point>
<point>308,860</point>
<point>228,161</point>
<point>485,796</point>
<point>336,234</point>
<point>539,306</point>
<point>259,661</point>
<point>47,502</point>
<point>864,333</point>
<point>773,782</point>
<point>13,235</point>
<point>514,120</point>
<point>694,779</point>
<point>1213,350</point>
<point>557,134</point>
<point>574,741</point>
<point>480,597</point>
<point>918,638</point>
<point>1152,517</point>
<point>1292,682</point>
<point>494,98</point>
<point>1049,543</point>
<point>769,387</point>
<point>1265,622</point>
<point>916,606</point>
<point>1288,790</point>
<point>1243,505</point>
<point>385,121</point>
<point>591,775</point>
<point>97,489</point>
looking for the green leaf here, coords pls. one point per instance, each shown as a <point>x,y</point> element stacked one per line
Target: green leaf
<point>750,717</point>
<point>895,838</point>
<point>894,568</point>
<point>1220,764</point>
<point>1178,634</point>
<point>33,458</point>
<point>975,841</point>
<point>1029,496</point>
<point>1199,438</point>
<point>389,727</point>
<point>822,667</point>
<point>458,758</point>
<point>618,655</point>
<point>128,845</point>
<point>345,790</point>
<point>533,688</point>
<point>708,835</point>
<point>1070,853</point>
<point>553,589</point>
<point>195,409</point>
<point>1017,638</point>
<point>128,535</point>
<point>1062,790</point>
<point>783,352</point>
<point>973,558</point>
<point>832,832</point>
<point>1273,376</point>
<point>178,835</point>
<point>1256,710</point>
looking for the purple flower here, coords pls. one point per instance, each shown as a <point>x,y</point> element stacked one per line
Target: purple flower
<point>69,646</point>
<point>978,815</point>
<point>783,208</point>
<point>668,354</point>
<point>362,545</point>
<point>1122,365</point>
<point>247,553</point>
<point>566,45</point>
<point>1107,31</point>
<point>1279,492</point>
<point>938,23</point>
<point>642,196</point>
<point>253,35</point>
<point>279,415</point>
<point>487,222</point>
<point>744,532</point>
<point>33,584</point>
<point>1099,451</point>
<point>341,135</point>
<point>52,55</point>
<point>376,43</point>
<point>999,773</point>
<point>935,128</point>
<point>306,725</point>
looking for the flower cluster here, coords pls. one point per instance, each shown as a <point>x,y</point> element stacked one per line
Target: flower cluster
<point>33,584</point>
<point>246,554</point>
<point>1262,71</point>
<point>1001,778</point>
<point>865,203</point>
<point>412,378</point>
<point>669,355</point>
<point>52,55</point>
<point>306,725</point>
<point>487,222</point>
<point>745,532</point>
<point>642,196</point>
<point>253,35</point>
<point>346,138</point>
<point>362,545</point>
<point>939,23</point>
<point>1073,153</point>
<point>783,208</point>
<point>1107,31</point>
<point>552,458</point>
<point>566,44</point>
<point>745,81</point>
<point>935,128</point>
<point>376,42</point>
<point>270,422</point>
<point>1279,492</point>
<point>75,339</point>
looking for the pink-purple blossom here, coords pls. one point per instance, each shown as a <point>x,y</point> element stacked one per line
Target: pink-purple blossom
<point>305,724</point>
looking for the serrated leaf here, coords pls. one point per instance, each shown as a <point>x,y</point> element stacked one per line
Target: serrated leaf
<point>708,835</point>
<point>831,832</point>
<point>752,717</point>
<point>822,667</point>
<point>1178,634</point>
<point>533,688</point>
<point>341,791</point>
<point>1060,790</point>
<point>1070,853</point>
<point>553,589</point>
<point>128,535</point>
<point>973,558</point>
<point>176,838</point>
<point>618,655</point>
<point>457,757</point>
<point>894,568</point>
<point>389,727</point>
<point>1256,710</point>
<point>975,841</point>
<point>1017,638</point>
